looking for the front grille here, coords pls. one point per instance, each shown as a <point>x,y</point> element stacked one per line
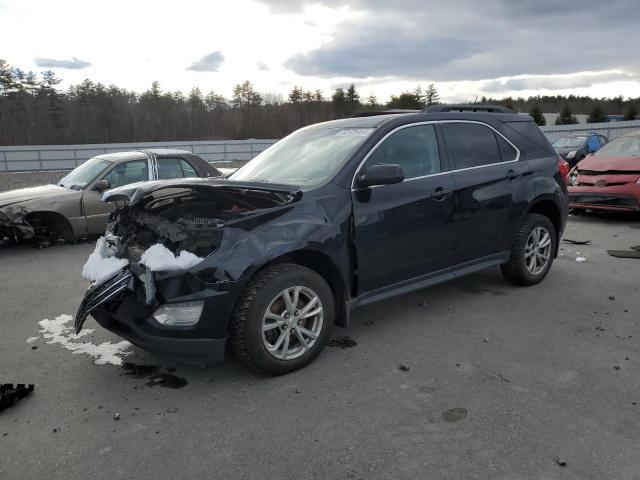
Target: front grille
<point>623,201</point>
<point>109,289</point>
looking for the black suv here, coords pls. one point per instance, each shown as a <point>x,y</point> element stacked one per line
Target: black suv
<point>335,216</point>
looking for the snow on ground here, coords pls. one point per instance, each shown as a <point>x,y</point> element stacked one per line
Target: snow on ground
<point>102,263</point>
<point>32,339</point>
<point>159,258</point>
<point>580,259</point>
<point>58,331</point>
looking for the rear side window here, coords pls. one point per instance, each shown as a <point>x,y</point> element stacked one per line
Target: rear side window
<point>471,144</point>
<point>169,168</point>
<point>414,148</point>
<point>507,152</point>
<point>537,144</point>
<point>187,169</point>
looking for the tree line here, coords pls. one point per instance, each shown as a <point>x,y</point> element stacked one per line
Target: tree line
<point>33,110</point>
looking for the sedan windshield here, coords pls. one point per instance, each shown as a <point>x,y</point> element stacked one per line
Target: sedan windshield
<point>621,147</point>
<point>83,175</point>
<point>307,157</point>
<point>569,142</point>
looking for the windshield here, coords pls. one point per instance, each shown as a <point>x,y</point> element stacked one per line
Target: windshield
<point>621,147</point>
<point>569,142</point>
<point>83,175</point>
<point>307,157</point>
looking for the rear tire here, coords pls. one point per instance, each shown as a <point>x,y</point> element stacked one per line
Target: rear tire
<point>531,257</point>
<point>265,323</point>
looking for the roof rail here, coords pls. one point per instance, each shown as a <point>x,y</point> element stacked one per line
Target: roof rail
<point>385,112</point>
<point>467,108</point>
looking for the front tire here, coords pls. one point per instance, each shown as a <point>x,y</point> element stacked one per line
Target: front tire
<point>283,319</point>
<point>532,251</point>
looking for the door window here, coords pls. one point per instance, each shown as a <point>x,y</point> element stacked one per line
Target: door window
<point>414,148</point>
<point>507,152</point>
<point>471,144</point>
<point>174,168</point>
<point>187,169</point>
<point>169,168</point>
<point>128,172</point>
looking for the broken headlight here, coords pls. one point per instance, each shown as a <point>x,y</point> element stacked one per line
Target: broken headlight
<point>179,314</point>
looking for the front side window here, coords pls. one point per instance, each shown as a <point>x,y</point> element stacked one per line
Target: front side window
<point>128,172</point>
<point>414,148</point>
<point>306,158</point>
<point>471,144</point>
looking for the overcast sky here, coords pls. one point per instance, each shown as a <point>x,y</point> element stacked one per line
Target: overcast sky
<point>468,48</point>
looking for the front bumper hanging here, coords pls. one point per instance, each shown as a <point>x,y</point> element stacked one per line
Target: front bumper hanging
<point>108,289</point>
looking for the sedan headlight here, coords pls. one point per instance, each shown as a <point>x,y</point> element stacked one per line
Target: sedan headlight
<point>571,154</point>
<point>179,314</point>
<point>573,176</point>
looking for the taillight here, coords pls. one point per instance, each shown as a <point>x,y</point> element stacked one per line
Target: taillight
<point>563,167</point>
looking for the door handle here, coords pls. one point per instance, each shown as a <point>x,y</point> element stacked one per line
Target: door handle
<point>511,174</point>
<point>440,193</point>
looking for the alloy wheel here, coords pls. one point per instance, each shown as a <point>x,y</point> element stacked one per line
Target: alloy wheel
<point>537,250</point>
<point>292,323</point>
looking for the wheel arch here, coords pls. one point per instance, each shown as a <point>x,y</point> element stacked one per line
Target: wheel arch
<point>548,208</point>
<point>59,220</point>
<point>324,266</point>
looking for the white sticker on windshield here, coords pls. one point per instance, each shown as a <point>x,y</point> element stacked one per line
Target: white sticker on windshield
<point>354,132</point>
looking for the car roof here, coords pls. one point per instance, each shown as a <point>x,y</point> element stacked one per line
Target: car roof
<point>402,118</point>
<point>141,154</point>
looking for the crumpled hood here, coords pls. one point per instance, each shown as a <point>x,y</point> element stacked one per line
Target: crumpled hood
<point>137,191</point>
<point>33,193</point>
<point>599,163</point>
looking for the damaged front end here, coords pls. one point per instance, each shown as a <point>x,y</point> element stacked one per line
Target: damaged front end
<point>148,284</point>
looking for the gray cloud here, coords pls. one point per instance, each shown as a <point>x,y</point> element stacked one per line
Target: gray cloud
<point>262,67</point>
<point>470,40</point>
<point>208,63</point>
<point>554,83</point>
<point>73,64</point>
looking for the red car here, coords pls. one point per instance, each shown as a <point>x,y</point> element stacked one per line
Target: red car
<point>609,179</point>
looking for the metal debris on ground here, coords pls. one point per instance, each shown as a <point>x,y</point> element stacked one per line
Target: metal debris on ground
<point>403,367</point>
<point>576,242</point>
<point>624,253</point>
<point>10,393</point>
<point>342,342</point>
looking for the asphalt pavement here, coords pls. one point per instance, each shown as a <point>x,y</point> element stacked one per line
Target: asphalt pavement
<point>472,379</point>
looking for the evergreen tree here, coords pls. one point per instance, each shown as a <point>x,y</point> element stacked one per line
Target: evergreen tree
<point>295,96</point>
<point>372,101</point>
<point>631,113</point>
<point>597,115</point>
<point>431,96</point>
<point>536,113</point>
<point>406,100</point>
<point>352,96</point>
<point>566,116</point>
<point>339,101</point>
<point>245,95</point>
<point>317,96</point>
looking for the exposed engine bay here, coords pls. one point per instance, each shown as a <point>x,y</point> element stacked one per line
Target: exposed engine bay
<point>189,220</point>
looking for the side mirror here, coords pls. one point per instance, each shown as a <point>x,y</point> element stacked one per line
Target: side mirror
<point>100,186</point>
<point>381,174</point>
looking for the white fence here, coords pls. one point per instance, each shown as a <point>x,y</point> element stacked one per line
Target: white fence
<point>610,129</point>
<point>67,157</point>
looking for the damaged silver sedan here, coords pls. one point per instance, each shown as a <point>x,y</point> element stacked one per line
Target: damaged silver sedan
<point>72,209</point>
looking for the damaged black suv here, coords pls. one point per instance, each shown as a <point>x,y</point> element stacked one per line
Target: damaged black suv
<point>335,216</point>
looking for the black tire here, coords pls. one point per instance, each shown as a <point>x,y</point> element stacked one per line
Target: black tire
<point>515,270</point>
<point>246,332</point>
